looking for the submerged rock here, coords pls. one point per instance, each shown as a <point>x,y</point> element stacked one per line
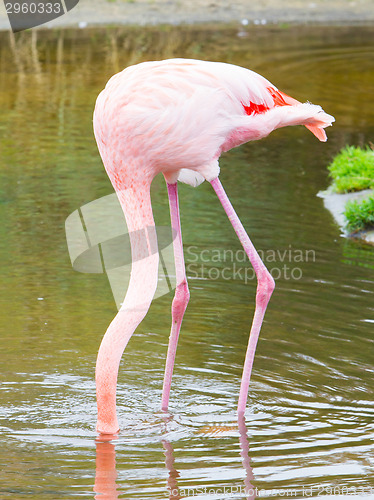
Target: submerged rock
<point>336,203</point>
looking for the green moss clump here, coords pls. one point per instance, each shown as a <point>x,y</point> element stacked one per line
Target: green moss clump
<point>352,169</point>
<point>360,215</point>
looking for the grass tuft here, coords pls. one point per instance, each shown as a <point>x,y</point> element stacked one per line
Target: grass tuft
<point>352,169</point>
<point>360,216</point>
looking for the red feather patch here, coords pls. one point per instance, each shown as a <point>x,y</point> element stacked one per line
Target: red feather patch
<point>279,98</point>
<point>255,109</point>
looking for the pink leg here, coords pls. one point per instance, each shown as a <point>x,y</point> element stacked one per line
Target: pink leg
<point>265,287</point>
<point>181,296</point>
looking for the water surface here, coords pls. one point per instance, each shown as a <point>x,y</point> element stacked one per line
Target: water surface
<point>309,422</point>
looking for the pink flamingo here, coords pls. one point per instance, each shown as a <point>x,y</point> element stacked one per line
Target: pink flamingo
<point>176,117</point>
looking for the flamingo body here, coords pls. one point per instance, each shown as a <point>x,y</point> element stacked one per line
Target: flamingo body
<point>181,114</point>
<point>176,117</point>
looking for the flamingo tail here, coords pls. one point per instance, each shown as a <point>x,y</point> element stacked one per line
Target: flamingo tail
<point>321,119</point>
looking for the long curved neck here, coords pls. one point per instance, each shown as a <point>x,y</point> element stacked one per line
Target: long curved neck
<point>136,203</point>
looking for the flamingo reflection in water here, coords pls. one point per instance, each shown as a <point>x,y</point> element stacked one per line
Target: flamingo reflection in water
<point>106,487</point>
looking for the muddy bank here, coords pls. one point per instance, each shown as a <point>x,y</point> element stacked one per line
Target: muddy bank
<point>151,12</point>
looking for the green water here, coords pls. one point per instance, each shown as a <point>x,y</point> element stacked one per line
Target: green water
<point>309,421</point>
